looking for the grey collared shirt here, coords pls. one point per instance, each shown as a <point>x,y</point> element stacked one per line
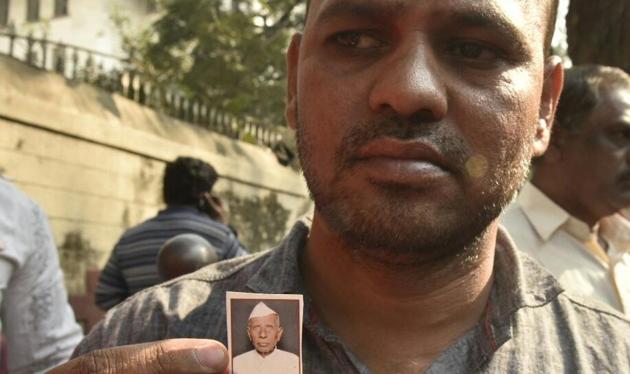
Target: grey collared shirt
<point>530,324</point>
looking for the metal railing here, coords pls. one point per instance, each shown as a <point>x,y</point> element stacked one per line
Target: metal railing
<point>116,74</point>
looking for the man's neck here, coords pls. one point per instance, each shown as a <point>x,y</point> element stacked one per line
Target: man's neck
<point>395,319</point>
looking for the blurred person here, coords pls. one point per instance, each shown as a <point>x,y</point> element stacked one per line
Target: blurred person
<point>190,208</point>
<point>583,178</point>
<point>183,254</point>
<point>35,318</point>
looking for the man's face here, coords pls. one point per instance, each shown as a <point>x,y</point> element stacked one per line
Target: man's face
<point>597,157</point>
<point>416,120</point>
<point>264,333</point>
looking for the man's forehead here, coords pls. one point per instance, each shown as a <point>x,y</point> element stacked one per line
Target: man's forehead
<point>524,23</point>
<point>513,10</point>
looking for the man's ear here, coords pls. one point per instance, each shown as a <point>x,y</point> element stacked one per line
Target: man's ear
<point>552,87</point>
<point>293,56</point>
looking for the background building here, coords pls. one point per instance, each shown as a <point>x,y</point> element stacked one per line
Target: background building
<point>82,23</point>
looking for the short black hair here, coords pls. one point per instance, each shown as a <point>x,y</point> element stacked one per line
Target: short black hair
<point>583,89</point>
<point>551,23</point>
<point>185,179</point>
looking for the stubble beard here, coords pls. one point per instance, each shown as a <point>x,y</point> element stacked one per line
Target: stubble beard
<point>393,230</point>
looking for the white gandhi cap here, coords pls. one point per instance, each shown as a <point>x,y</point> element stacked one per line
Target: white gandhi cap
<point>261,310</point>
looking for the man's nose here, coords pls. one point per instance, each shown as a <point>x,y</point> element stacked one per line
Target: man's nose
<point>410,83</point>
<point>263,333</point>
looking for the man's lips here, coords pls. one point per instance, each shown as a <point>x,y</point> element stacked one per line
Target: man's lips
<point>402,161</point>
<point>403,150</point>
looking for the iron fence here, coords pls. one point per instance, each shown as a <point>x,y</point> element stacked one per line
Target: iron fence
<point>116,74</point>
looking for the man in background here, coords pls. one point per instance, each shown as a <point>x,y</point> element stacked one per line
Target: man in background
<point>583,177</point>
<point>35,316</point>
<point>190,209</point>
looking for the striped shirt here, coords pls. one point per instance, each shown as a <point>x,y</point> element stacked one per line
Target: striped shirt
<point>132,265</point>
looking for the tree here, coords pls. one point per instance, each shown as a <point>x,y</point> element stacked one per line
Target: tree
<point>599,32</point>
<point>231,56</point>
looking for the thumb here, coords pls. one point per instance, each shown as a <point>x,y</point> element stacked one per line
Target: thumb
<point>165,357</point>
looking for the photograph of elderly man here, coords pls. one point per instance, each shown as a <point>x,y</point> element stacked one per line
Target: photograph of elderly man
<point>264,330</point>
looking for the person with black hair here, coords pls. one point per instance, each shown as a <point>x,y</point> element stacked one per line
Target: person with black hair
<point>583,178</point>
<point>190,209</point>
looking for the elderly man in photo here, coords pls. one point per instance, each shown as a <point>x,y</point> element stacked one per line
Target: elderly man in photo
<point>416,123</point>
<point>264,331</point>
<point>583,178</point>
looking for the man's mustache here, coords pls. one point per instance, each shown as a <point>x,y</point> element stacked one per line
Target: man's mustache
<point>435,133</point>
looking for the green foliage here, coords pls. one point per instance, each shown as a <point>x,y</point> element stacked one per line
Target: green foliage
<point>231,55</point>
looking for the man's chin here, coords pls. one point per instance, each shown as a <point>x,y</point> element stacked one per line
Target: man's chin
<point>404,234</point>
<point>264,351</point>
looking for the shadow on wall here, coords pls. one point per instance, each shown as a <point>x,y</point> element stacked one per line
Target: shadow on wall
<point>261,222</point>
<point>78,261</point>
<point>76,256</point>
<point>85,310</point>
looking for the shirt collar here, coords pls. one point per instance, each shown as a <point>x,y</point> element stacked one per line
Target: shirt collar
<point>518,280</point>
<point>180,208</point>
<point>545,215</point>
<point>281,271</point>
<point>519,283</point>
<point>580,230</point>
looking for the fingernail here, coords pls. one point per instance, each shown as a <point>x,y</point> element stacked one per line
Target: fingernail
<point>212,357</point>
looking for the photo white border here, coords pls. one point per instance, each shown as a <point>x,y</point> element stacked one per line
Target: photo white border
<point>229,296</point>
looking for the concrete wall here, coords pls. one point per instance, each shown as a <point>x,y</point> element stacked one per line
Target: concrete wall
<point>94,161</point>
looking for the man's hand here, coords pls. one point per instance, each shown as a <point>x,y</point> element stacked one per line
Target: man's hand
<point>215,208</point>
<point>165,357</point>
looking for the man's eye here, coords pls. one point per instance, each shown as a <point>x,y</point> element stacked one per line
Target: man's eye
<point>357,40</point>
<point>473,51</point>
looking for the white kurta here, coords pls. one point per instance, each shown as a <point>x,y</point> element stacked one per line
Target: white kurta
<point>277,362</point>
